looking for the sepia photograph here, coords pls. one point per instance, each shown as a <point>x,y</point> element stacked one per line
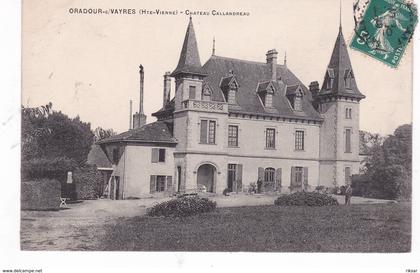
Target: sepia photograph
<point>235,126</point>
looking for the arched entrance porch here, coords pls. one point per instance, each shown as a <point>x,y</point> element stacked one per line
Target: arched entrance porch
<point>206,175</point>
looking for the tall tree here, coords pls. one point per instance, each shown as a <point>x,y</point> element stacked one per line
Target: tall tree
<point>53,138</point>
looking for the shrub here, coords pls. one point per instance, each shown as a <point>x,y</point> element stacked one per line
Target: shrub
<point>184,206</point>
<point>88,182</point>
<point>42,194</point>
<point>306,199</point>
<point>226,192</point>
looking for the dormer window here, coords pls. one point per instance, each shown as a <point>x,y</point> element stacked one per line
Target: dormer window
<point>229,86</point>
<point>330,78</point>
<point>298,102</point>
<point>348,75</point>
<point>265,90</point>
<point>294,93</point>
<point>206,94</point>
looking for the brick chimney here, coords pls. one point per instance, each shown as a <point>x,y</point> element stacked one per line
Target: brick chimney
<point>272,63</point>
<point>166,88</point>
<point>314,88</point>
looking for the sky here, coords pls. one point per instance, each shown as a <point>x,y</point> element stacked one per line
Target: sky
<point>87,64</point>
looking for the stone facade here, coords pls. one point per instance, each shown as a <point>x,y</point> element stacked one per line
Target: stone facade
<point>233,123</point>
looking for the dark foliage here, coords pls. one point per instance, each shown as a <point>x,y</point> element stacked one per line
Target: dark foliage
<point>88,182</point>
<point>306,199</point>
<point>184,206</point>
<point>388,167</point>
<point>43,194</point>
<point>52,143</point>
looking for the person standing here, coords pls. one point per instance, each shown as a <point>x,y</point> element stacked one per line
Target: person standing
<point>348,193</point>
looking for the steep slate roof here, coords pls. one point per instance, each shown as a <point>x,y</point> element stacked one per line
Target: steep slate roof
<point>338,68</point>
<point>156,132</point>
<point>97,157</point>
<point>189,60</point>
<point>249,74</point>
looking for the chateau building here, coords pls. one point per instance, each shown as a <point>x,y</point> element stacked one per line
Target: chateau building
<point>232,122</point>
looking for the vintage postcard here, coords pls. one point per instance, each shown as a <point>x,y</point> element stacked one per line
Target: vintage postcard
<point>235,126</point>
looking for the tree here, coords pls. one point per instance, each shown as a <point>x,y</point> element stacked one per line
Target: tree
<point>101,133</point>
<point>388,167</point>
<point>54,139</point>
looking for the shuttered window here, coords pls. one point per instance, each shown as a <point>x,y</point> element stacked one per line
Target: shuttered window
<point>160,183</point>
<point>348,140</point>
<point>207,131</point>
<point>158,155</point>
<point>269,175</point>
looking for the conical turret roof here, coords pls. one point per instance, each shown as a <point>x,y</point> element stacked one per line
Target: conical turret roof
<point>189,60</point>
<point>339,77</point>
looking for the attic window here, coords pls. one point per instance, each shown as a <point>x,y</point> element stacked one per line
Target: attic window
<point>348,75</point>
<point>206,94</point>
<point>268,101</point>
<point>298,102</point>
<point>330,78</point>
<point>266,90</point>
<point>229,86</point>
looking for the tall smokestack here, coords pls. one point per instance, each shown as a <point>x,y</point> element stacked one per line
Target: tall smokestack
<point>130,125</point>
<point>141,89</point>
<point>166,88</point>
<point>139,119</point>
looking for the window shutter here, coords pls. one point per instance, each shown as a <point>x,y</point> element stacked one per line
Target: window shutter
<point>155,155</point>
<point>239,178</point>
<point>203,131</point>
<point>305,177</point>
<point>293,177</point>
<point>278,179</point>
<point>169,186</point>
<point>152,183</point>
<point>261,173</point>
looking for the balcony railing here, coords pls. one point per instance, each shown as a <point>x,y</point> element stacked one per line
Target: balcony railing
<point>208,106</point>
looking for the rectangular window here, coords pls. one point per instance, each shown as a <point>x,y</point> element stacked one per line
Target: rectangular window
<point>160,183</point>
<point>268,100</point>
<point>298,176</point>
<point>192,93</point>
<point>348,140</point>
<point>299,140</point>
<point>158,155</point>
<point>207,131</point>
<point>233,136</point>
<point>298,103</point>
<point>270,138</point>
<point>231,97</point>
<point>162,153</point>
<point>348,113</point>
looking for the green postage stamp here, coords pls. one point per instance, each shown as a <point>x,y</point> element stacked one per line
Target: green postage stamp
<point>385,29</point>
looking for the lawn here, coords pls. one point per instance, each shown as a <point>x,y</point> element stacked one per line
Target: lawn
<point>355,228</point>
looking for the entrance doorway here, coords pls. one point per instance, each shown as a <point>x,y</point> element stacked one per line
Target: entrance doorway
<point>205,177</point>
<point>231,177</point>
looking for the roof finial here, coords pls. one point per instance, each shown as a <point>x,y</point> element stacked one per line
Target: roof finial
<point>340,17</point>
<point>285,58</point>
<point>214,47</point>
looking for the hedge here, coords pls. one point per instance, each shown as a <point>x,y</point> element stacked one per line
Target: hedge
<point>87,181</point>
<point>43,194</point>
